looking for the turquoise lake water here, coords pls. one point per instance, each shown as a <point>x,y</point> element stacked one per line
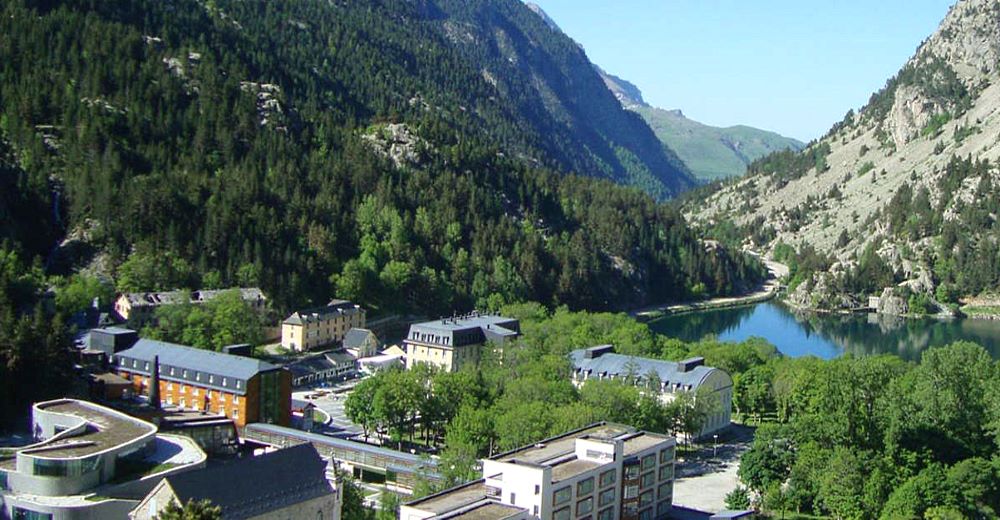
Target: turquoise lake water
<point>829,335</point>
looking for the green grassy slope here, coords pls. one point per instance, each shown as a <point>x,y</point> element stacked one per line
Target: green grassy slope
<point>713,153</point>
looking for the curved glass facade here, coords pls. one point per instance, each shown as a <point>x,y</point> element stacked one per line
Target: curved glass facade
<point>65,468</point>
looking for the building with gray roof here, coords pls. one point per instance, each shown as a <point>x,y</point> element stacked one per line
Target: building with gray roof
<point>667,378</point>
<point>242,388</point>
<point>293,482</point>
<point>138,307</point>
<point>450,343</point>
<point>321,326</point>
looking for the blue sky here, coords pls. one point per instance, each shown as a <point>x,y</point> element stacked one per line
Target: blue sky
<point>791,66</point>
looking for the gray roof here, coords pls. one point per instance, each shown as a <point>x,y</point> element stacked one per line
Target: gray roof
<point>357,337</point>
<point>402,458</point>
<point>176,297</point>
<point>469,329</point>
<point>253,486</point>
<point>320,363</point>
<point>196,361</point>
<point>603,361</point>
<point>334,308</point>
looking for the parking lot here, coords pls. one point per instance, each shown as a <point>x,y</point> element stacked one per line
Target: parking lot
<point>331,401</point>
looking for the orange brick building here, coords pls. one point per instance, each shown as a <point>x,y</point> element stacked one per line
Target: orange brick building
<point>245,389</point>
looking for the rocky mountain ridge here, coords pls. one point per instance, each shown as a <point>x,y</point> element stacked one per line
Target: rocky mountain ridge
<point>902,180</point>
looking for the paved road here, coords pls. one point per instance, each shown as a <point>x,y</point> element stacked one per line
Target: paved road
<point>705,478</point>
<point>333,405</point>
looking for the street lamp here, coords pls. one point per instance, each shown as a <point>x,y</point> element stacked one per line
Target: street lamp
<point>715,446</point>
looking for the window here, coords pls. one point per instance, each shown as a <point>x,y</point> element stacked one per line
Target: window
<point>538,489</point>
<point>663,508</point>
<point>534,510</point>
<point>631,491</point>
<point>561,496</point>
<point>225,381</point>
<point>666,472</point>
<point>647,479</point>
<point>665,491</point>
<point>632,472</point>
<point>646,498</point>
<point>666,455</point>
<point>607,478</point>
<point>562,514</point>
<point>646,514</point>
<point>171,370</point>
<point>3,480</point>
<point>606,497</point>
<point>585,487</point>
<point>648,462</point>
<point>239,384</point>
<point>184,374</point>
<point>513,499</point>
<point>146,366</point>
<point>26,514</point>
<point>585,506</point>
<point>606,514</point>
<point>211,379</point>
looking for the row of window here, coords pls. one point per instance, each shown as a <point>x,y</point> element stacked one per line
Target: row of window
<point>172,371</point>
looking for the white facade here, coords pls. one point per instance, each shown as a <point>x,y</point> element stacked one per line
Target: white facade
<point>603,472</point>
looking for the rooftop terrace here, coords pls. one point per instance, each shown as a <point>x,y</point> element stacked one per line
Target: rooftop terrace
<point>551,448</point>
<point>105,429</point>
<point>487,511</point>
<point>452,499</point>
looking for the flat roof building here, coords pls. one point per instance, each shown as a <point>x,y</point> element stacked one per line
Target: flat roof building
<point>241,388</point>
<point>671,378</point>
<point>89,462</point>
<point>451,343</point>
<point>604,472</point>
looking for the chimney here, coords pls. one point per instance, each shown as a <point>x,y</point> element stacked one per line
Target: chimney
<point>690,364</point>
<point>154,384</point>
<point>596,352</point>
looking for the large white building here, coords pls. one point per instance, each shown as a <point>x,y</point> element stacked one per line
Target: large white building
<point>89,462</point>
<point>601,472</point>
<point>690,375</point>
<point>451,343</point>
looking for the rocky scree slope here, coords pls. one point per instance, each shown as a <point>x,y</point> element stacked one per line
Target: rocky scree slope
<point>906,187</point>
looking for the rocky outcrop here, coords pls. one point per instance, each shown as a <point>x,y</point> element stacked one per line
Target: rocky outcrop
<point>911,112</point>
<point>398,143</point>
<point>891,304</point>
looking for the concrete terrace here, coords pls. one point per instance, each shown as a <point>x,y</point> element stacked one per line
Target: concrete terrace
<point>549,449</point>
<point>103,430</point>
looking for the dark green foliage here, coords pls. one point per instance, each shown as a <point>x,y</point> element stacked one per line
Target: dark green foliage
<point>35,362</point>
<point>790,165</point>
<point>201,510</point>
<point>877,437</point>
<point>149,119</point>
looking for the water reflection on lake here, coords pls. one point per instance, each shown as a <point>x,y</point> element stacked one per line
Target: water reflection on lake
<point>829,335</point>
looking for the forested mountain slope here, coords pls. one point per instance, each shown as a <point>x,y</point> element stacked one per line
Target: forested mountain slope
<point>902,194</point>
<point>412,155</point>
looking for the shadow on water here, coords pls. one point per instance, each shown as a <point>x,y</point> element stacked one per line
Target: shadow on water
<point>797,333</point>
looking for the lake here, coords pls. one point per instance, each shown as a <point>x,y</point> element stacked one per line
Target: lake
<point>797,333</point>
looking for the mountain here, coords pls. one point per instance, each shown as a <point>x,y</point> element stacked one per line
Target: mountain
<point>710,152</point>
<point>414,155</point>
<point>902,195</point>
